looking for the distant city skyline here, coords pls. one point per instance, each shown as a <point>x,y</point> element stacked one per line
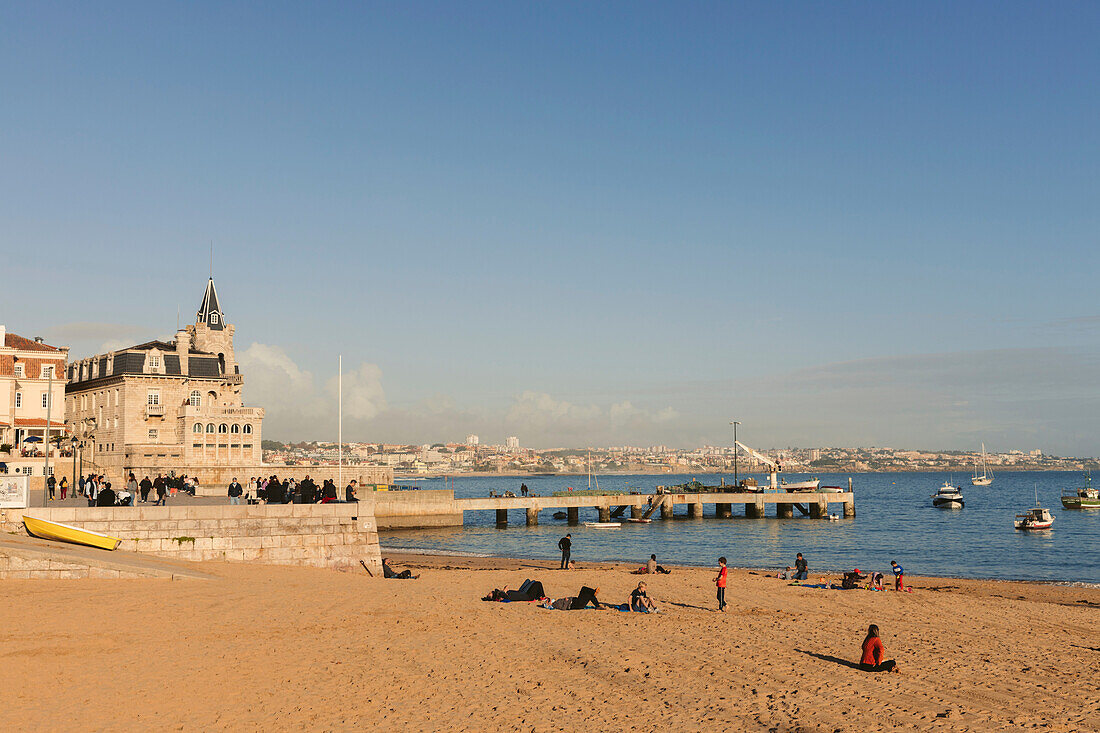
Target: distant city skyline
<point>578,225</point>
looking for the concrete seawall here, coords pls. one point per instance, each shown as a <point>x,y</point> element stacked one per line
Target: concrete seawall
<point>321,535</point>
<point>410,509</point>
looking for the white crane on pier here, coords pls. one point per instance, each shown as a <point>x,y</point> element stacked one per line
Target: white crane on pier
<point>773,465</point>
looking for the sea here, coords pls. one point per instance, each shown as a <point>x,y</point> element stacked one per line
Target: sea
<point>895,520</point>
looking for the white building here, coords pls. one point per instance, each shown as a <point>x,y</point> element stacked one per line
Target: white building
<point>472,439</point>
<point>511,442</point>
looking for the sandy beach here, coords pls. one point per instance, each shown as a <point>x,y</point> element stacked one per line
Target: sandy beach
<point>280,648</point>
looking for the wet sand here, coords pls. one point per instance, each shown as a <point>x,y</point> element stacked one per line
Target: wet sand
<point>280,648</point>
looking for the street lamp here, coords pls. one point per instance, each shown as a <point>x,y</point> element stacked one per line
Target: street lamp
<point>735,423</point>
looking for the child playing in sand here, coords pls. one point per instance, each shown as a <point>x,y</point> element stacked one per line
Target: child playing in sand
<point>899,575</point>
<point>873,651</point>
<point>720,582</point>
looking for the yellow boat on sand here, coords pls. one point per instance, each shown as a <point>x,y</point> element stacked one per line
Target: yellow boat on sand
<point>67,533</point>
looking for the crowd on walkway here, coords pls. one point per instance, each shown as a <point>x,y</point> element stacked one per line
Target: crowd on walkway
<point>272,490</point>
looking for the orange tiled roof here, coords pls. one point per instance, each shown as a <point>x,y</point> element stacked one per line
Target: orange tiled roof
<point>14,341</point>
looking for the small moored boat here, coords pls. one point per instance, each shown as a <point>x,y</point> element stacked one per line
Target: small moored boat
<point>67,533</point>
<point>639,520</point>
<point>603,525</point>
<point>1085,497</point>
<point>808,485</point>
<point>948,497</point>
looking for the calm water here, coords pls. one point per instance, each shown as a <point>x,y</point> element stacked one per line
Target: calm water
<point>895,521</point>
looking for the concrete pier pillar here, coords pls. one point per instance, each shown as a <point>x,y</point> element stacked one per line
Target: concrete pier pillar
<point>760,506</point>
<point>725,511</point>
<point>666,509</point>
<point>784,511</point>
<point>502,516</point>
<point>605,513</point>
<point>815,511</point>
<point>532,517</point>
<point>751,512</point>
<point>695,510</point>
<point>850,508</point>
<point>636,512</point>
<point>573,514</point>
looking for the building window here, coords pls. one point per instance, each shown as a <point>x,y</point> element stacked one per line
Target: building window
<point>154,362</point>
<point>197,428</point>
<point>235,429</point>
<point>152,433</point>
<point>213,319</point>
<point>47,400</point>
<point>196,398</point>
<point>247,446</point>
<point>153,398</point>
<point>223,428</point>
<point>19,371</point>
<point>47,372</point>
<point>210,427</point>
<point>248,430</point>
<point>18,400</point>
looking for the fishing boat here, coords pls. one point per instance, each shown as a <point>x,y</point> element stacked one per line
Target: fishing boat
<point>985,478</point>
<point>808,485</point>
<point>1085,497</point>
<point>948,497</point>
<point>67,533</point>
<point>639,520</point>
<point>603,525</point>
<point>1038,517</point>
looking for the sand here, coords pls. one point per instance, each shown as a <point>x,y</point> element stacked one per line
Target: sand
<point>279,648</point>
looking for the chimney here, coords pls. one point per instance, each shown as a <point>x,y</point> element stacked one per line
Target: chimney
<point>183,347</point>
<point>38,339</point>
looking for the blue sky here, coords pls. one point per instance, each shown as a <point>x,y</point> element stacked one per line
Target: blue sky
<point>842,224</point>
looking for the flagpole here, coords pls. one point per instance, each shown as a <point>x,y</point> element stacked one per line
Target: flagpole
<point>340,427</point>
<point>49,406</point>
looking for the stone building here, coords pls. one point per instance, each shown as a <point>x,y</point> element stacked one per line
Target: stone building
<point>32,390</point>
<point>174,405</point>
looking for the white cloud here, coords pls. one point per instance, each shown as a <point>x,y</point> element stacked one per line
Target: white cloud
<point>364,398</point>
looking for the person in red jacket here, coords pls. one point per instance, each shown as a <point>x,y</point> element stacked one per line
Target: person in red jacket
<point>720,582</point>
<point>873,652</point>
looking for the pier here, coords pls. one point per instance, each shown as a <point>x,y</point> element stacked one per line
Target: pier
<point>439,508</point>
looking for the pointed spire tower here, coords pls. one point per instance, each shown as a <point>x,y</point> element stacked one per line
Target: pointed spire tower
<point>210,311</point>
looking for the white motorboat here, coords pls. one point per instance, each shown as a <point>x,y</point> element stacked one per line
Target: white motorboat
<point>603,525</point>
<point>985,478</point>
<point>639,520</point>
<point>948,497</point>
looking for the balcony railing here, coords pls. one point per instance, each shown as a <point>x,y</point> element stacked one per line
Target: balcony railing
<point>238,412</point>
<point>154,411</point>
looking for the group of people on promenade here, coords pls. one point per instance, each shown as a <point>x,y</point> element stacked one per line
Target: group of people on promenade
<point>100,493</point>
<point>271,490</point>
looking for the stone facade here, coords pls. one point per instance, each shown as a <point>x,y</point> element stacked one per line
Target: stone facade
<point>174,405</point>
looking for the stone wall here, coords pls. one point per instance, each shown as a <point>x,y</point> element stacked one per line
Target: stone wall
<point>409,509</point>
<point>322,535</point>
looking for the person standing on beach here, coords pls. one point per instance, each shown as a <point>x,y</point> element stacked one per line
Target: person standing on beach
<point>720,581</point>
<point>873,652</point>
<point>899,575</point>
<point>801,570</point>
<point>565,544</point>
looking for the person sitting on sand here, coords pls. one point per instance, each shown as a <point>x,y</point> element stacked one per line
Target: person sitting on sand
<point>641,602</point>
<point>851,580</point>
<point>801,569</point>
<point>873,652</point>
<point>388,572</point>
<point>875,583</point>
<point>787,574</point>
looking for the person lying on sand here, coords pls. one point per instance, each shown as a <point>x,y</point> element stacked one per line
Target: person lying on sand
<point>873,652</point>
<point>388,572</point>
<point>531,590</point>
<point>641,602</point>
<point>575,603</point>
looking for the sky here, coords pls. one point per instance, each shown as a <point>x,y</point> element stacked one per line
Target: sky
<point>583,224</point>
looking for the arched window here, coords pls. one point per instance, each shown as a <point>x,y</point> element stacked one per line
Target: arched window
<point>210,427</point>
<point>248,430</point>
<point>223,428</point>
<point>196,398</point>
<point>197,428</point>
<point>235,429</point>
<point>213,319</point>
